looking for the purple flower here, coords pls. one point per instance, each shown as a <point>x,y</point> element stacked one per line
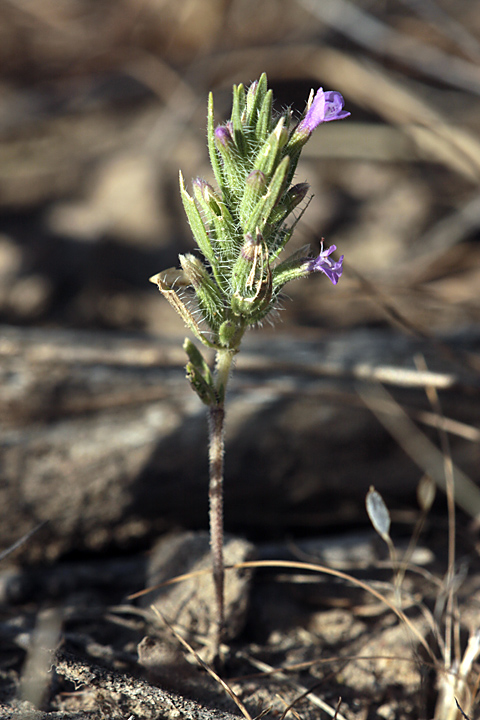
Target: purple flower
<point>326,106</point>
<point>223,135</point>
<point>332,269</point>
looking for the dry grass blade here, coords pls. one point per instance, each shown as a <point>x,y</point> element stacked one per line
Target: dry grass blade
<point>295,667</point>
<point>21,541</point>
<point>288,708</point>
<point>313,567</point>
<point>418,447</point>
<point>450,490</point>
<point>172,581</point>
<point>446,233</point>
<point>337,709</point>
<point>432,13</point>
<point>461,711</point>
<point>364,29</point>
<point>305,692</point>
<point>204,665</point>
<point>454,427</point>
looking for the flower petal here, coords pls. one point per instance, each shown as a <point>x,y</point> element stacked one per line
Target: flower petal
<point>331,268</point>
<point>326,106</point>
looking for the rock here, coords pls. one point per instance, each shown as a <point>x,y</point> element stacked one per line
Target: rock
<point>190,604</point>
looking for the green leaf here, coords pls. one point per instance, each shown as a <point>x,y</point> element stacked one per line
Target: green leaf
<point>204,390</point>
<point>198,361</point>
<point>255,97</point>
<point>238,118</point>
<point>255,188</point>
<point>290,269</point>
<point>212,148</point>
<point>222,233</point>
<point>264,121</point>
<point>208,294</point>
<point>267,157</point>
<point>265,205</point>
<point>196,225</point>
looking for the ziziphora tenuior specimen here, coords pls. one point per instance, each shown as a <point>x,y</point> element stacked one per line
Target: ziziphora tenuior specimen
<point>241,227</point>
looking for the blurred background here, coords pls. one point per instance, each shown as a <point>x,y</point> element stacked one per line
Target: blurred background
<point>102,441</point>
<point>101,103</point>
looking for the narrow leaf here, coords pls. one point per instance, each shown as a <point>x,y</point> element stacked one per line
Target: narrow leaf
<point>212,149</point>
<point>204,390</point>
<point>237,120</point>
<point>265,117</point>
<point>196,224</point>
<point>265,205</point>
<point>255,97</point>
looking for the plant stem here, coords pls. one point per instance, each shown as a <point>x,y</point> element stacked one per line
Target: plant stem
<point>216,421</point>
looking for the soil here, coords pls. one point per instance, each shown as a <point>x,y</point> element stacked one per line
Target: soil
<point>299,640</point>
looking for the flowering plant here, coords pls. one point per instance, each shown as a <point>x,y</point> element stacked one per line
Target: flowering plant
<point>241,227</point>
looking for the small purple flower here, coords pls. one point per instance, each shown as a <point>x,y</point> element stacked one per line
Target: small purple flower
<point>223,136</point>
<point>332,269</point>
<point>326,106</point>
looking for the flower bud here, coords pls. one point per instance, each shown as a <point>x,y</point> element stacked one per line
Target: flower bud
<point>252,90</point>
<point>256,181</point>
<point>203,187</point>
<point>270,153</point>
<point>199,374</point>
<point>206,196</point>
<point>258,216</point>
<point>281,133</point>
<point>217,218</point>
<point>229,333</point>
<point>223,137</point>
<point>204,390</point>
<point>255,187</point>
<point>206,290</point>
<point>291,199</point>
<point>197,359</point>
<point>227,143</point>
<point>194,269</point>
<point>246,261</point>
<point>252,101</point>
<point>296,195</point>
<point>197,225</point>
<point>251,277</point>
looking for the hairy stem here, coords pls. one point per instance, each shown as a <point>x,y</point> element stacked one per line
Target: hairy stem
<point>216,421</point>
